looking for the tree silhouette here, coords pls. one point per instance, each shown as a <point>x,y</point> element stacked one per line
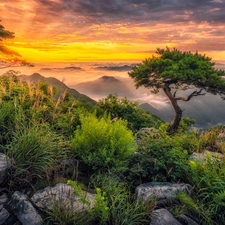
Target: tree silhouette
<point>8,57</point>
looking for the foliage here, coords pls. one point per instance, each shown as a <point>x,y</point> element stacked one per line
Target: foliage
<point>123,208</point>
<point>127,110</point>
<point>102,144</point>
<point>193,206</point>
<point>181,68</point>
<point>35,152</point>
<point>208,179</point>
<point>212,139</point>
<point>9,57</point>
<point>100,212</point>
<point>160,157</point>
<point>174,69</point>
<point>7,121</point>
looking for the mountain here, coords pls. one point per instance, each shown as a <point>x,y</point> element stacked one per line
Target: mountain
<point>60,86</point>
<point>104,86</point>
<point>208,110</point>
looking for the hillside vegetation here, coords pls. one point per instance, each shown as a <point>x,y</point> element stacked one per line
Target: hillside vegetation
<point>42,127</point>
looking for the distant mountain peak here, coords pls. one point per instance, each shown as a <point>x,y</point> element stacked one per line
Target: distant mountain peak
<point>109,79</point>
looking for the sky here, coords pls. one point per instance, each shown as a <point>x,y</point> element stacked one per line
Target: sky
<point>112,30</point>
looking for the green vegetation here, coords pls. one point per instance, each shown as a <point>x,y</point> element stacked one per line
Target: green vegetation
<point>123,108</point>
<point>41,128</point>
<point>101,143</point>
<point>174,69</point>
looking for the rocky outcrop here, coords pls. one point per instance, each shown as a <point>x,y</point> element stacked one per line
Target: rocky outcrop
<point>24,210</point>
<point>45,198</point>
<point>160,190</point>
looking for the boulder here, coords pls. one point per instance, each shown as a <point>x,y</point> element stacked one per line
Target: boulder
<point>163,217</point>
<point>4,167</point>
<point>160,190</point>
<point>4,214</point>
<point>186,220</point>
<point>24,210</point>
<point>45,198</point>
<point>3,198</point>
<point>203,156</point>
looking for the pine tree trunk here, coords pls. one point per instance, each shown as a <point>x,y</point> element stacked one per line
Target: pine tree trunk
<point>178,111</point>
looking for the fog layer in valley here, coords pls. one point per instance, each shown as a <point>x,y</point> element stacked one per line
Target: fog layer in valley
<point>97,80</point>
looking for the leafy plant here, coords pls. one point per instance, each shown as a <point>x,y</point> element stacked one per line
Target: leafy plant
<point>122,207</point>
<point>100,212</point>
<point>159,158</point>
<point>101,144</point>
<point>127,110</point>
<point>208,179</point>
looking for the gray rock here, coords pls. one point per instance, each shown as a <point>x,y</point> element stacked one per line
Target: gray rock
<point>4,214</point>
<point>4,166</point>
<point>163,217</point>
<point>24,210</point>
<point>186,220</point>
<point>45,198</point>
<point>3,198</point>
<point>160,190</point>
<point>203,156</point>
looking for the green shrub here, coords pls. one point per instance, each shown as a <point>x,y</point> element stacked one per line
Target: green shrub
<point>125,109</point>
<point>122,206</point>
<point>100,212</point>
<point>208,179</point>
<point>7,121</point>
<point>34,151</point>
<point>159,157</point>
<point>102,144</point>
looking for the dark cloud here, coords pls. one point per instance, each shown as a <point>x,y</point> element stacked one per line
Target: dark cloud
<point>120,11</point>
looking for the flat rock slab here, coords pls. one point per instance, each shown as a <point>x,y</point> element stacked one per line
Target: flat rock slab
<point>45,198</point>
<point>160,190</point>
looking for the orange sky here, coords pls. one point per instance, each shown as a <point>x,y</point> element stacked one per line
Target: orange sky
<point>112,30</point>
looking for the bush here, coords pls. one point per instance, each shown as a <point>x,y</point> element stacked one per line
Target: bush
<point>125,109</point>
<point>208,179</point>
<point>101,143</point>
<point>34,152</point>
<point>159,157</point>
<point>122,206</point>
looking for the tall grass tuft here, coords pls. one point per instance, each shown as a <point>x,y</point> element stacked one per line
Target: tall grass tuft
<point>34,150</point>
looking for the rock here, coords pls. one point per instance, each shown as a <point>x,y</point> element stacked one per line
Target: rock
<point>186,220</point>
<point>4,214</point>
<point>160,190</point>
<point>203,156</point>
<point>163,217</point>
<point>145,132</point>
<point>3,198</point>
<point>4,166</point>
<point>45,198</point>
<point>24,210</point>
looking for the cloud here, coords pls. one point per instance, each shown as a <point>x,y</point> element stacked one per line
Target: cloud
<point>114,11</point>
<point>187,24</point>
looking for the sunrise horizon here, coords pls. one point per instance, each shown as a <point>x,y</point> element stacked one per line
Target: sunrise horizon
<point>125,30</point>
